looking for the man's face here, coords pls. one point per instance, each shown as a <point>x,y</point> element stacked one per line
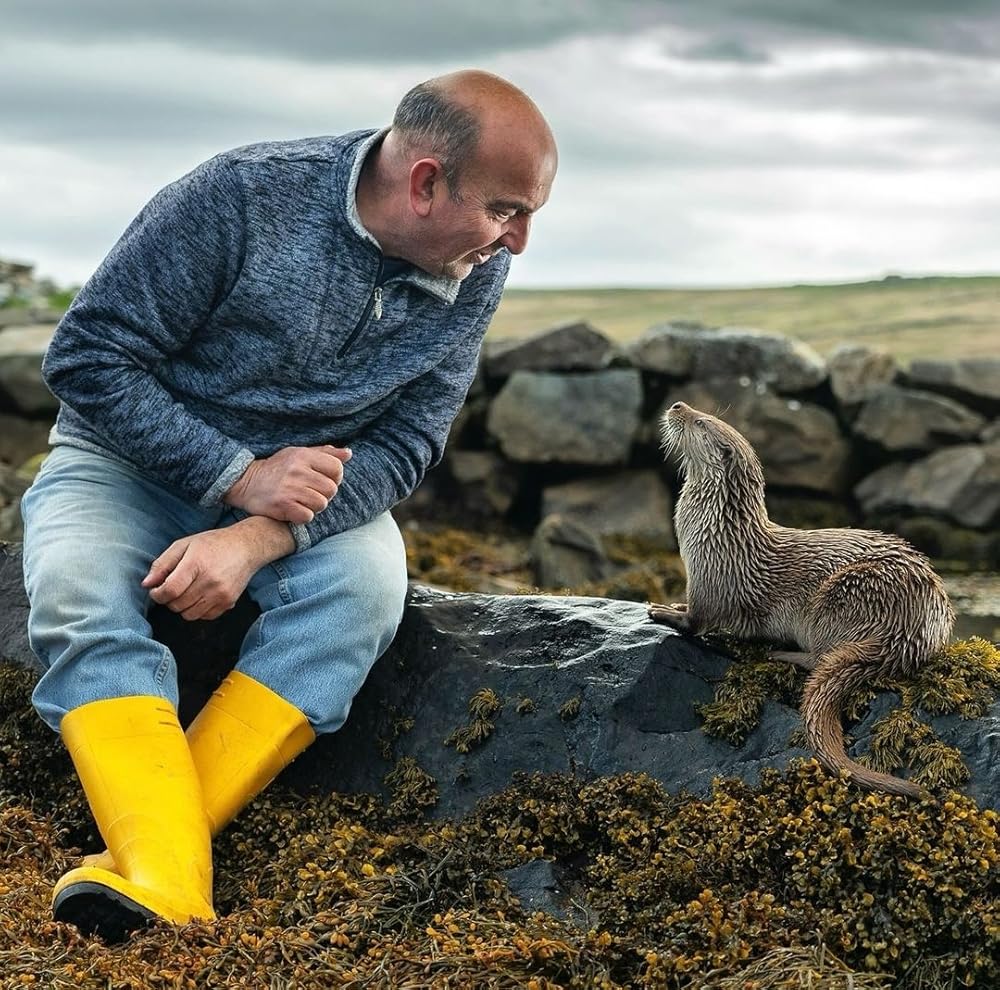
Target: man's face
<point>493,209</point>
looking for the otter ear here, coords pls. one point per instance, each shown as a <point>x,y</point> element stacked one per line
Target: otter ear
<point>727,454</point>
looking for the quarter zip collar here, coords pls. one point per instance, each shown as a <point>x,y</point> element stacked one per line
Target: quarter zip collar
<point>439,286</point>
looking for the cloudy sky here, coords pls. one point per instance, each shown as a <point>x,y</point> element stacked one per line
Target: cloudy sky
<point>702,142</point>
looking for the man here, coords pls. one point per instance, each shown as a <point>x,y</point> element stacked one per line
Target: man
<point>267,361</point>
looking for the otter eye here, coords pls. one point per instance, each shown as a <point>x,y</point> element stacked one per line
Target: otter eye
<point>699,422</point>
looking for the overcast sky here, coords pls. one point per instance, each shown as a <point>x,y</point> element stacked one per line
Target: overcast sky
<point>702,142</point>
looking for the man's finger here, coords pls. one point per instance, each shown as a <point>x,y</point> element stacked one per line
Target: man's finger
<point>164,564</point>
<point>180,579</point>
<point>341,453</point>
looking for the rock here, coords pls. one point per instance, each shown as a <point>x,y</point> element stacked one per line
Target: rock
<point>566,553</point>
<point>961,483</point>
<point>972,381</point>
<point>26,316</point>
<point>799,444</point>
<point>487,482</point>
<point>730,352</point>
<point>582,418</point>
<point>902,419</point>
<point>857,372</point>
<point>571,347</point>
<point>22,438</point>
<point>635,686</point>
<point>879,490</point>
<point>538,887</point>
<point>628,503</point>
<point>666,349</point>
<point>21,353</point>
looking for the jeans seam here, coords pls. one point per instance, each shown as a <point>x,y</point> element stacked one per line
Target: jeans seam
<point>161,670</point>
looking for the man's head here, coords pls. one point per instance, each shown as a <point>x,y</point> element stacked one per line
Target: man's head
<point>469,159</point>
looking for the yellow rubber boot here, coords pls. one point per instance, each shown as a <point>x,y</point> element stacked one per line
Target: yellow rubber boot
<point>136,769</point>
<point>240,741</point>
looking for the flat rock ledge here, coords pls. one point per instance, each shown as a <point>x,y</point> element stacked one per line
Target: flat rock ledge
<point>587,686</point>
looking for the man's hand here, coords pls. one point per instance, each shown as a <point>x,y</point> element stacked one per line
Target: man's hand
<point>291,485</point>
<point>202,576</point>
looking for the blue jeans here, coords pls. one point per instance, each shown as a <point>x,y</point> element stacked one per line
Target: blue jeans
<point>93,526</point>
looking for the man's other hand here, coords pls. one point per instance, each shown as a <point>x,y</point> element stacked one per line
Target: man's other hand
<point>203,575</point>
<point>291,485</point>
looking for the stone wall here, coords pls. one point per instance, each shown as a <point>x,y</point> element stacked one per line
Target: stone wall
<point>559,436</point>
<point>560,432</point>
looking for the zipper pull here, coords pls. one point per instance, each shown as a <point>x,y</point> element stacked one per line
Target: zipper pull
<point>378,303</point>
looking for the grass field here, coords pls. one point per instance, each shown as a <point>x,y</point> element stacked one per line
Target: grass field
<point>909,317</point>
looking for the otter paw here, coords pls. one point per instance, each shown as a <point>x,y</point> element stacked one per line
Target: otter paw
<point>670,615</point>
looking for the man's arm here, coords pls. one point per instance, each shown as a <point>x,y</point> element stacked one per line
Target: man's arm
<point>201,576</point>
<point>174,264</point>
<point>389,458</point>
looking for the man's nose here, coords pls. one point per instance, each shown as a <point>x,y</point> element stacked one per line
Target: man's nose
<point>515,237</point>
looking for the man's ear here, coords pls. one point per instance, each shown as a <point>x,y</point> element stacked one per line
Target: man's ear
<point>426,181</point>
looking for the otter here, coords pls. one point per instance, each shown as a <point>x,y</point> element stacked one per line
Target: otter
<point>857,603</point>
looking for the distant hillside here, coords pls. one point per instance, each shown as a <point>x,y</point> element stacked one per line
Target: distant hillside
<point>910,317</point>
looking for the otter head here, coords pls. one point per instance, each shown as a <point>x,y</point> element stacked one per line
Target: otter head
<point>708,447</point>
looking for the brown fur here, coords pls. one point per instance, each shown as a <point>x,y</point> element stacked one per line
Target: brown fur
<point>858,602</point>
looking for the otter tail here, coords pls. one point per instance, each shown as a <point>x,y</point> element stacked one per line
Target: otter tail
<point>839,672</point>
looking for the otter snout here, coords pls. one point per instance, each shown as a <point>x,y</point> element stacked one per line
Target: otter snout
<point>676,415</point>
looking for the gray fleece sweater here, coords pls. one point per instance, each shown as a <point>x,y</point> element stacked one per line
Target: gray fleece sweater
<point>238,315</point>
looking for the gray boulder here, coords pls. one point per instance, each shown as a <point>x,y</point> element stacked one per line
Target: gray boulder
<point>570,347</point>
<point>903,419</point>
<point>581,418</point>
<point>857,372</point>
<point>972,381</point>
<point>628,503</point>
<point>585,686</point>
<point>800,444</point>
<point>729,352</point>
<point>21,352</point>
<point>487,482</point>
<point>566,553</point>
<point>961,483</point>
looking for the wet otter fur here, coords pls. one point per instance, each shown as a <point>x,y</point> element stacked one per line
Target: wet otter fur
<point>856,602</point>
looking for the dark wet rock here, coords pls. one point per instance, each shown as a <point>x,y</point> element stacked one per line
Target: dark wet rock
<point>682,351</point>
<point>581,418</point>
<point>571,347</point>
<point>539,886</point>
<point>635,686</point>
<point>565,552</point>
<point>627,503</point>
<point>799,444</point>
<point>961,483</point>
<point>972,381</point>
<point>902,420</point>
<point>857,372</point>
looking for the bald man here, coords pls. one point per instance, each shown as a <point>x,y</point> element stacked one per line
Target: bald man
<point>268,360</point>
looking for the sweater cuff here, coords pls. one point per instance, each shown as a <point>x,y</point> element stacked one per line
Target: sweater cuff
<point>232,473</point>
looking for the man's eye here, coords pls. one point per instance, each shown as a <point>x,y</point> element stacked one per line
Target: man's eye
<point>505,214</point>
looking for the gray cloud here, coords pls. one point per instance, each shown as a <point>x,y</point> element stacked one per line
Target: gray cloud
<point>700,140</point>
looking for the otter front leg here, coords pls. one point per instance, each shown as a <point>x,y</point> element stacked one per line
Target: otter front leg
<point>677,615</point>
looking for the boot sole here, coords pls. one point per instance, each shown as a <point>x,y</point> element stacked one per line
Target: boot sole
<point>99,910</point>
